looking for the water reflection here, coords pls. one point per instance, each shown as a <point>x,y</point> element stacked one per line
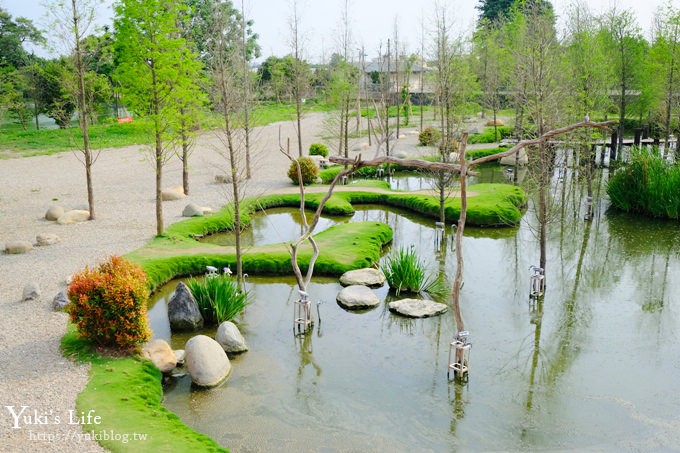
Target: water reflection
<point>591,366</point>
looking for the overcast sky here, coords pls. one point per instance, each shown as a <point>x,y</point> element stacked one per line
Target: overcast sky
<point>372,21</point>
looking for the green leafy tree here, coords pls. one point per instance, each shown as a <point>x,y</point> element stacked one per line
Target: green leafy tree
<point>156,70</point>
<point>664,63</point>
<point>626,50</point>
<point>491,11</point>
<point>14,33</point>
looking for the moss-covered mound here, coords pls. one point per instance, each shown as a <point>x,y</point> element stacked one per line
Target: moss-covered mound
<point>342,247</point>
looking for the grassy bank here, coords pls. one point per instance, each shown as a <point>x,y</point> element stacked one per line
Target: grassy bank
<point>126,394</point>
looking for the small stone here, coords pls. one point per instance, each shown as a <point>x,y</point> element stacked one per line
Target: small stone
<point>206,361</point>
<point>54,212</point>
<point>161,354</point>
<point>18,247</point>
<point>60,301</point>
<point>75,216</point>
<point>357,297</point>
<point>401,155</point>
<point>230,338</point>
<point>31,292</point>
<point>45,239</point>
<point>363,277</point>
<point>179,355</point>
<point>175,193</point>
<point>417,308</point>
<point>191,210</point>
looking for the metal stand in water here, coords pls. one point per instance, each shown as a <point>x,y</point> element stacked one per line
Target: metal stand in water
<point>536,282</point>
<point>303,314</point>
<point>460,350</point>
<point>438,234</point>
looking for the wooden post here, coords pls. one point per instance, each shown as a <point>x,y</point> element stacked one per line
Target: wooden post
<point>638,136</point>
<point>613,145</point>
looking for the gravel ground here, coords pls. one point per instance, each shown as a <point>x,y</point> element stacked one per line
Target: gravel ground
<point>33,372</point>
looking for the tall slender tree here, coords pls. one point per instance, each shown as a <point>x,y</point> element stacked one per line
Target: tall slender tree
<point>156,70</point>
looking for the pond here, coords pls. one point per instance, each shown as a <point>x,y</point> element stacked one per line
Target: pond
<point>592,366</point>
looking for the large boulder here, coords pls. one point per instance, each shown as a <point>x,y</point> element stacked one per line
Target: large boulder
<point>230,338</point>
<point>161,354</point>
<point>417,308</point>
<point>191,210</point>
<point>17,247</point>
<point>499,122</point>
<point>357,297</point>
<point>60,301</point>
<point>183,311</point>
<point>31,292</point>
<point>206,361</point>
<point>363,277</point>
<point>172,194</point>
<point>54,212</point>
<point>75,216</point>
<point>45,239</point>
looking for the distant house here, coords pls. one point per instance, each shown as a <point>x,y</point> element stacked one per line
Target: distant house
<point>379,77</point>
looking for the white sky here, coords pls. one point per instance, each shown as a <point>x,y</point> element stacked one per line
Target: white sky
<point>372,21</point>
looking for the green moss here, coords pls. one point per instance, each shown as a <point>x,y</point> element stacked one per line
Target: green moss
<point>126,394</point>
<point>343,247</point>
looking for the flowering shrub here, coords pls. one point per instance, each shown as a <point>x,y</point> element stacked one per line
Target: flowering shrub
<point>108,304</point>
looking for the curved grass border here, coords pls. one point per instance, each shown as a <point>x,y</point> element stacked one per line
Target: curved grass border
<point>127,393</point>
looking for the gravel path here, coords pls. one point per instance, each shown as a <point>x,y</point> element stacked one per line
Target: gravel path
<point>33,372</point>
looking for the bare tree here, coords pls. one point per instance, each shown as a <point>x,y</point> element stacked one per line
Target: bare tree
<point>298,83</point>
<point>74,20</point>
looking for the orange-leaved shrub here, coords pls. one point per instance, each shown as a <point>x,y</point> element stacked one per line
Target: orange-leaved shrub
<point>108,304</point>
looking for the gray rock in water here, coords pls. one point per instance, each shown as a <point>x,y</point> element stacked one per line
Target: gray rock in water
<point>357,297</point>
<point>161,354</point>
<point>75,216</point>
<point>230,338</point>
<point>510,160</point>
<point>206,361</point>
<point>183,311</point>
<point>31,292</point>
<point>417,308</point>
<point>363,277</point>
<point>18,247</point>
<point>191,210</point>
<point>179,355</point>
<point>60,301</point>
<point>45,239</point>
<point>54,212</point>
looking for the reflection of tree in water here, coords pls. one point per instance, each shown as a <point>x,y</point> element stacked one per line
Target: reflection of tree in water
<point>303,346</point>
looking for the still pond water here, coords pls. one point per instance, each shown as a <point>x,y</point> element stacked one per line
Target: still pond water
<point>594,366</point>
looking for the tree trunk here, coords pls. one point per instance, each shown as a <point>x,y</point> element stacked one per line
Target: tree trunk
<point>458,281</point>
<point>159,184</point>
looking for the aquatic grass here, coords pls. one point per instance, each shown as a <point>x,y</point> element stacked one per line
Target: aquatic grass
<point>219,298</point>
<point>405,272</point>
<point>648,185</point>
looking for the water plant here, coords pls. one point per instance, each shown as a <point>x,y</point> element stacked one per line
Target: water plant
<point>405,272</point>
<point>648,185</point>
<point>218,298</point>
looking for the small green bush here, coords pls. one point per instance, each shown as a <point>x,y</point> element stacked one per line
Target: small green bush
<point>429,136</point>
<point>488,135</point>
<point>218,298</point>
<point>108,304</point>
<point>318,149</point>
<point>308,168</point>
<point>404,271</point>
